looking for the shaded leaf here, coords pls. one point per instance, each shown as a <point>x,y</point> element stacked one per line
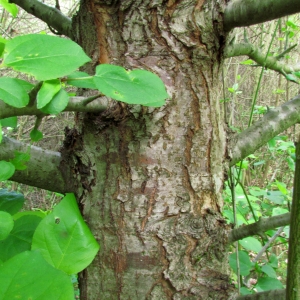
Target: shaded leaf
<point>20,238</point>
<point>36,135</point>
<point>11,201</point>
<point>251,243</point>
<point>20,160</point>
<point>244,260</point>
<point>9,122</point>
<point>267,284</point>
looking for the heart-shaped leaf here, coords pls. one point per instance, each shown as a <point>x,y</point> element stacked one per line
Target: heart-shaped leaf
<point>44,56</point>
<point>64,239</point>
<point>133,87</point>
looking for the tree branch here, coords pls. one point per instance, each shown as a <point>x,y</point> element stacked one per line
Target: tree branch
<point>274,294</point>
<point>50,15</point>
<point>239,13</point>
<point>258,227</point>
<point>255,54</point>
<point>43,168</point>
<point>274,122</point>
<point>76,104</point>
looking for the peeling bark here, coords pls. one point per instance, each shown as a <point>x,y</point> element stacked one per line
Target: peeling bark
<point>152,177</point>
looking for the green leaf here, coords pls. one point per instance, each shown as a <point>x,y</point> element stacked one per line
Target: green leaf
<point>247,62</point>
<point>44,56</point>
<point>82,80</point>
<point>20,238</point>
<point>267,284</point>
<point>133,87</point>
<point>251,243</point>
<point>10,7</point>
<point>275,196</point>
<point>273,261</point>
<point>20,160</point>
<point>47,91</point>
<point>64,239</point>
<point>6,224</point>
<point>57,104</point>
<point>7,170</point>
<point>291,77</point>
<point>245,263</point>
<point>29,276</point>
<point>267,269</point>
<point>11,202</point>
<point>13,92</point>
<point>9,122</point>
<point>1,134</point>
<point>36,135</point>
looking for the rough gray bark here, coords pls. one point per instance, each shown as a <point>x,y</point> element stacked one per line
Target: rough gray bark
<point>43,169</point>
<point>153,177</point>
<point>75,104</point>
<point>240,13</point>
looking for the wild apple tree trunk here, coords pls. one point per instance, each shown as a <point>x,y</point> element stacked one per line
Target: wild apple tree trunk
<point>151,178</point>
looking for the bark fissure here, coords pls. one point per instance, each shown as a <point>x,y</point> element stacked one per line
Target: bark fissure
<point>154,183</point>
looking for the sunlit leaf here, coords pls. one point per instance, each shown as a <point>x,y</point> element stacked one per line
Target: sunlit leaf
<point>29,276</point>
<point>82,80</point>
<point>58,103</point>
<point>47,91</point>
<point>44,56</point>
<point>7,169</point>
<point>133,87</point>
<point>6,224</point>
<point>64,239</point>
<point>10,7</point>
<point>12,92</point>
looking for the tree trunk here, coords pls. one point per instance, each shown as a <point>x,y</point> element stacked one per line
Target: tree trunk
<point>152,177</point>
